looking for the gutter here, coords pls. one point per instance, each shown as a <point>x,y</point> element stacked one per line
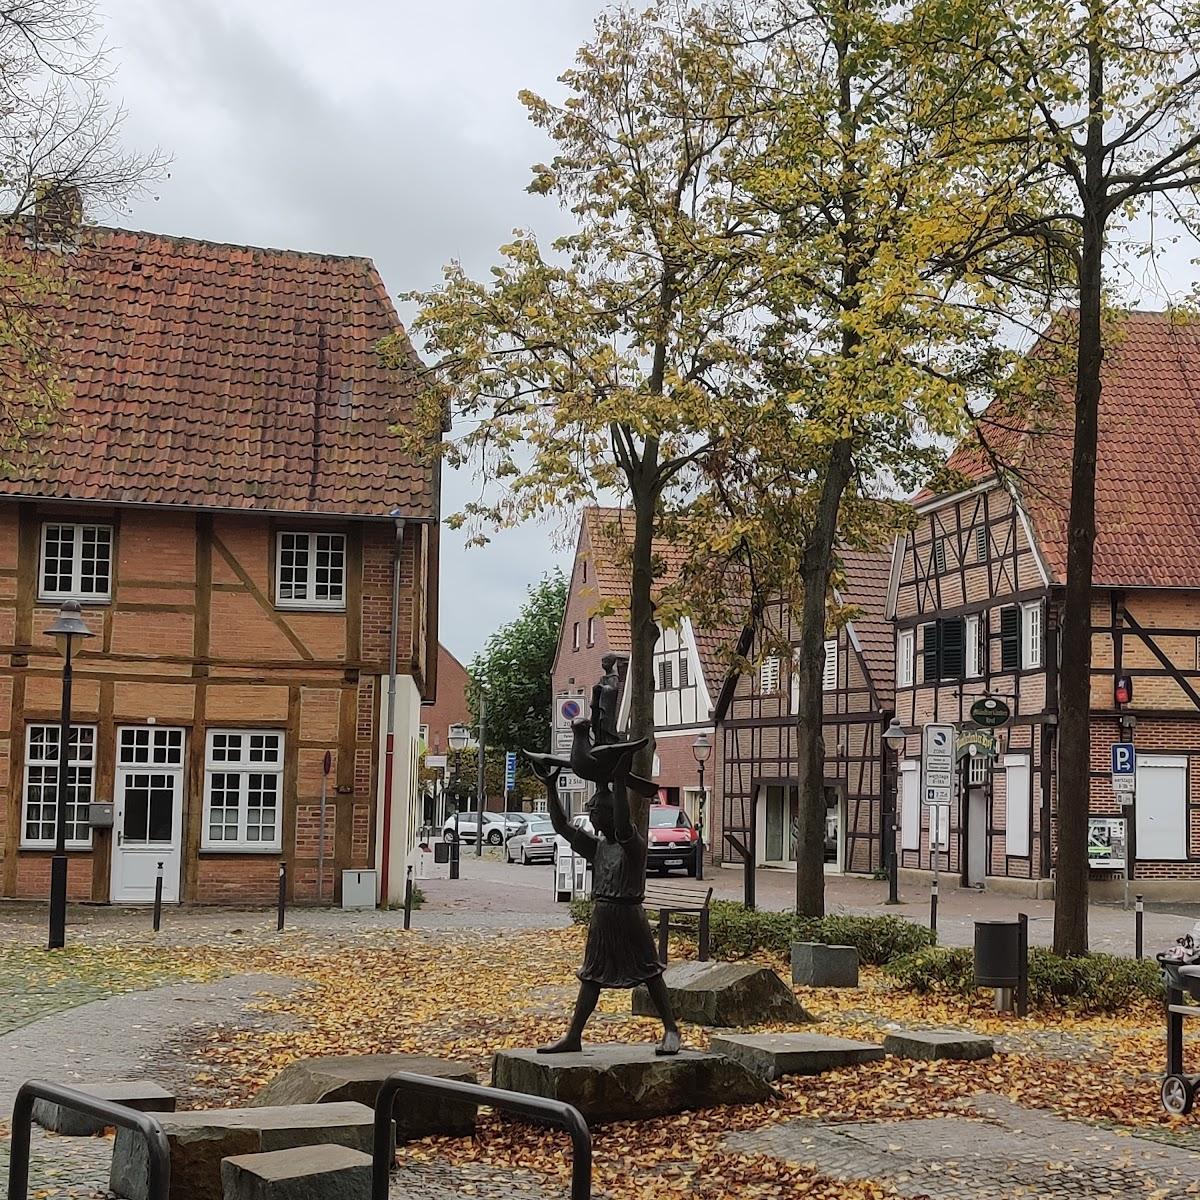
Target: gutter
<point>389,757</point>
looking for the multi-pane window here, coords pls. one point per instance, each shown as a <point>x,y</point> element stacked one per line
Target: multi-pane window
<point>76,562</point>
<point>906,641</point>
<point>768,676</point>
<point>1031,634</point>
<point>147,745</point>
<point>977,770</point>
<point>41,785</point>
<point>243,789</point>
<point>311,570</point>
<point>974,644</point>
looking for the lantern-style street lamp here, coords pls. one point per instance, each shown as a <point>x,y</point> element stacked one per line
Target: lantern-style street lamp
<point>68,625</point>
<point>701,749</point>
<point>895,738</point>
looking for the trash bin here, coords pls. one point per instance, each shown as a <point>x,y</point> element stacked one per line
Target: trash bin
<point>997,954</point>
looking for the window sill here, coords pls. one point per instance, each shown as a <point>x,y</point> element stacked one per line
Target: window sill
<point>254,851</point>
<point>41,848</point>
<point>317,608</point>
<point>82,601</point>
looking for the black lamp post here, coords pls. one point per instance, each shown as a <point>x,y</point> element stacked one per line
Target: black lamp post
<point>895,738</point>
<point>67,625</point>
<point>456,736</point>
<point>701,749</point>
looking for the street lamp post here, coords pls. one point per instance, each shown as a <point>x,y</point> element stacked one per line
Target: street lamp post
<point>895,737</point>
<point>69,624</point>
<point>701,749</point>
<point>456,736</point>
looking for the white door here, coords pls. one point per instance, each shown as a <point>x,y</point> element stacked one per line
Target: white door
<point>148,816</point>
<point>976,836</point>
<point>1161,805</point>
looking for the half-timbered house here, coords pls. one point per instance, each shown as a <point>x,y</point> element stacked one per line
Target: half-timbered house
<point>756,718</point>
<point>256,560</point>
<point>976,593</point>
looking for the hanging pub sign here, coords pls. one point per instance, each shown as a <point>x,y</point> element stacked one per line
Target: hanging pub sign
<point>989,712</point>
<point>975,743</point>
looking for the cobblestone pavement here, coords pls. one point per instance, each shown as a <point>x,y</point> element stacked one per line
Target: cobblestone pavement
<point>996,1150</point>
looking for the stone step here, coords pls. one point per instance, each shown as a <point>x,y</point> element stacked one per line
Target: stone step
<point>725,994</point>
<point>358,1077</point>
<point>937,1043</point>
<point>816,965</point>
<point>622,1083</point>
<point>200,1140</point>
<point>773,1055</point>
<point>307,1173</point>
<point>138,1094</point>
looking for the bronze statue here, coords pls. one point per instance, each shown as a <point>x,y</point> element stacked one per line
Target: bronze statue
<point>606,697</point>
<point>620,949</point>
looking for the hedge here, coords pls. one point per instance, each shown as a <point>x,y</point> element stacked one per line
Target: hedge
<point>738,932</point>
<point>1092,983</point>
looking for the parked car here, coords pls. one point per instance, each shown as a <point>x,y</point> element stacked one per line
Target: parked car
<point>561,845</point>
<point>533,842</point>
<point>494,828</point>
<point>516,821</point>
<point>673,843</point>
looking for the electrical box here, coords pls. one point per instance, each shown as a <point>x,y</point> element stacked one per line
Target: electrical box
<point>358,888</point>
<point>100,816</point>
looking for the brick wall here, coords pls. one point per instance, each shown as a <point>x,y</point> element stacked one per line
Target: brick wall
<point>450,706</point>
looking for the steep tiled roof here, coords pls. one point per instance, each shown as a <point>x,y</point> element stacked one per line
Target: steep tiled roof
<point>865,588</point>
<point>1147,489</point>
<point>226,376</point>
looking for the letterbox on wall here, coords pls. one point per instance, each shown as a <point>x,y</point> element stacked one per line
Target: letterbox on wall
<point>100,816</point>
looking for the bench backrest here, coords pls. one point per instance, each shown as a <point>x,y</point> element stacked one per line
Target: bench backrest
<point>676,898</point>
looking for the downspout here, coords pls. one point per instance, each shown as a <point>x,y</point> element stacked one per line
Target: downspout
<point>389,756</point>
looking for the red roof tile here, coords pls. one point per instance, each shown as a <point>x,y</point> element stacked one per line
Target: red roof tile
<point>1147,490</point>
<point>230,377</point>
<point>867,574</point>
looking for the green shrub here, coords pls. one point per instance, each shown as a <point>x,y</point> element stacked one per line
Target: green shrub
<point>1101,983</point>
<point>738,932</point>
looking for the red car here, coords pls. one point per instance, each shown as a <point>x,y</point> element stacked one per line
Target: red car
<point>673,843</point>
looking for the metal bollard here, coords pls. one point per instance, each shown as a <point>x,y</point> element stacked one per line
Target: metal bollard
<point>454,845</point>
<point>158,899</point>
<point>1139,915</point>
<point>408,890</point>
<point>933,902</point>
<point>282,895</point>
<point>1022,965</point>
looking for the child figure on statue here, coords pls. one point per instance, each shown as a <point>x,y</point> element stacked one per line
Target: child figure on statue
<point>620,948</point>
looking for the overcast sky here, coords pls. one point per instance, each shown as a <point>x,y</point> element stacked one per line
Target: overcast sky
<point>388,128</point>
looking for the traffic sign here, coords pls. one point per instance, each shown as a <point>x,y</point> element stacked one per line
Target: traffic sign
<point>1124,759</point>
<point>989,712</point>
<point>937,765</point>
<point>566,710</point>
<point>510,770</point>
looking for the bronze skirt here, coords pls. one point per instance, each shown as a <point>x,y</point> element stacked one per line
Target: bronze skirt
<point>620,947</point>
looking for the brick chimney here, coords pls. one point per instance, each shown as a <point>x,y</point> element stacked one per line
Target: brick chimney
<point>57,213</point>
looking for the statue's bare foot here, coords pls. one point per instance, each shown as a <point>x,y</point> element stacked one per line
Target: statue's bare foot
<point>670,1043</point>
<point>565,1045</point>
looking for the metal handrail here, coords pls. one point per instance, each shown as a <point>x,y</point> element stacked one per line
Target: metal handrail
<point>554,1112</point>
<point>159,1152</point>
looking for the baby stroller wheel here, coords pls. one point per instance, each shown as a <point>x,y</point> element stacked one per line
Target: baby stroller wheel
<point>1178,1095</point>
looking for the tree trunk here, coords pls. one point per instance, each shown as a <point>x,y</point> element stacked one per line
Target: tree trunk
<point>642,628</point>
<point>1074,745</point>
<point>810,699</point>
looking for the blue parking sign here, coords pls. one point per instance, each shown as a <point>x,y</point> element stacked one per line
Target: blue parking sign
<point>1124,758</point>
<point>510,770</point>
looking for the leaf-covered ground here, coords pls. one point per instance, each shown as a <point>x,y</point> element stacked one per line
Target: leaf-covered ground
<point>464,995</point>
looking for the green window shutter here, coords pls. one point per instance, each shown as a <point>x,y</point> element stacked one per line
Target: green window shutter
<point>929,652</point>
<point>1010,638</point>
<point>953,648</point>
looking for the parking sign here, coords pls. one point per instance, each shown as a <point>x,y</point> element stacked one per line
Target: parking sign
<point>937,765</point>
<point>1124,768</point>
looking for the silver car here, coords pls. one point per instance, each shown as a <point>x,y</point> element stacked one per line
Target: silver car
<point>534,843</point>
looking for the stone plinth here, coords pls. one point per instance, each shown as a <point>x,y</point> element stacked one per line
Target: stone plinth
<point>309,1173</point>
<point>937,1043</point>
<point>725,994</point>
<point>358,1078</point>
<point>816,965</point>
<point>143,1096</point>
<point>200,1140</point>
<point>773,1055</point>
<point>621,1083</point>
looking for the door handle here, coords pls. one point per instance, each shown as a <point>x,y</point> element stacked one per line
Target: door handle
<point>119,835</point>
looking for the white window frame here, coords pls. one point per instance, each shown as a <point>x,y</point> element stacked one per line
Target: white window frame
<point>1033,621</point>
<point>244,766</point>
<point>48,765</point>
<point>575,636</point>
<point>829,668</point>
<point>768,675</point>
<point>75,591</point>
<point>971,647</point>
<point>309,602</point>
<point>977,770</point>
<point>591,631</point>
<point>906,657</point>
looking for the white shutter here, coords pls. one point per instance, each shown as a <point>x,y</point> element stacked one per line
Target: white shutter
<point>829,674</point>
<point>905,645</point>
<point>910,807</point>
<point>1031,631</point>
<point>1161,807</point>
<point>768,676</point>
<point>1016,804</point>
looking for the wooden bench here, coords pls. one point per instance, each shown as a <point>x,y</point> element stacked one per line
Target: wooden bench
<point>670,899</point>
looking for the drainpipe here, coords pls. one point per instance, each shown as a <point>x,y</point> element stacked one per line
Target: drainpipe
<point>389,756</point>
